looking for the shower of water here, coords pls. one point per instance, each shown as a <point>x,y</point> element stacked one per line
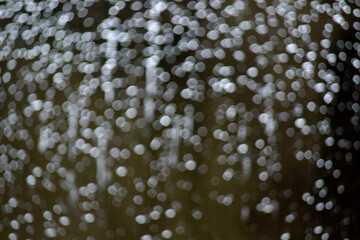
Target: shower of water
<point>179,119</point>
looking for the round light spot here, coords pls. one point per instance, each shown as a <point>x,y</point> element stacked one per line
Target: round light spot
<point>121,171</point>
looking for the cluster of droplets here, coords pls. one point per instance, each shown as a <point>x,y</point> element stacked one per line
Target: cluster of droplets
<point>155,119</point>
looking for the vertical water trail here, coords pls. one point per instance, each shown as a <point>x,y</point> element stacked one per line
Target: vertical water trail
<point>269,120</point>
<point>153,27</point>
<point>102,142</point>
<point>242,133</point>
<point>111,46</point>
<point>150,87</point>
<point>175,142</point>
<point>189,118</point>
<point>101,132</point>
<point>73,191</point>
<point>72,130</point>
<point>109,92</point>
<point>72,134</point>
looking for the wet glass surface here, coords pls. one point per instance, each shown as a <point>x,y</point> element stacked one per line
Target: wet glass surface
<point>179,119</point>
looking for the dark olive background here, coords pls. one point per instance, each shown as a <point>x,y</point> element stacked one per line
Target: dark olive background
<point>115,217</point>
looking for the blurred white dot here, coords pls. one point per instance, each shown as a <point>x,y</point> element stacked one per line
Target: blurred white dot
<point>139,149</point>
<point>121,171</point>
<point>243,148</point>
<point>13,202</point>
<point>228,174</point>
<point>166,233</point>
<point>65,221</point>
<point>262,29</point>
<point>318,229</point>
<point>252,72</point>
<point>14,224</point>
<point>31,180</point>
<point>165,121</point>
<point>89,217</point>
<point>131,91</point>
<point>239,55</point>
<point>190,165</point>
<point>170,213</point>
<point>285,236</point>
<point>131,113</point>
<point>263,176</point>
<point>146,237</point>
<point>259,143</point>
<point>197,214</point>
<point>291,48</point>
<point>300,122</point>
<point>13,236</point>
<point>50,232</point>
<point>230,87</point>
<point>141,219</point>
<point>28,217</point>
